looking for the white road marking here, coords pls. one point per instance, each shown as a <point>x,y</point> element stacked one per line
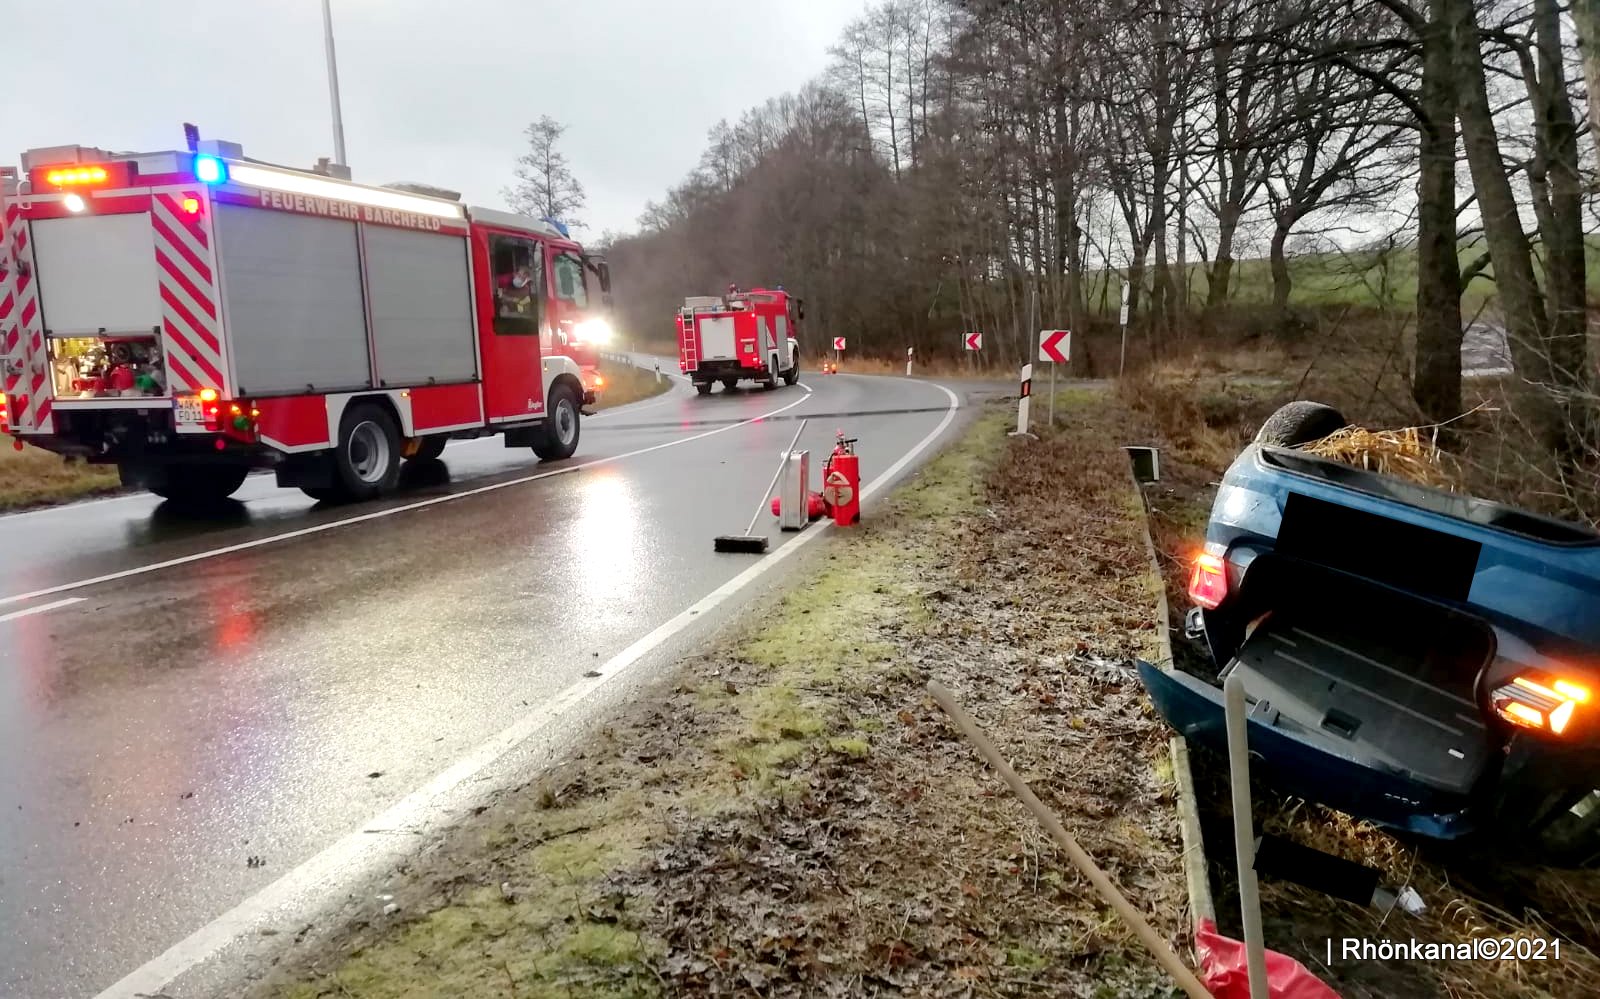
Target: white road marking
<point>40,609</point>
<point>380,514</point>
<point>421,810</point>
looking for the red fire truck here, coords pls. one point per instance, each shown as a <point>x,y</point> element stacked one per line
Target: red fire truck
<point>740,336</point>
<point>189,316</point>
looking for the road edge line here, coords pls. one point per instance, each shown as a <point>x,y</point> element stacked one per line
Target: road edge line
<point>350,856</point>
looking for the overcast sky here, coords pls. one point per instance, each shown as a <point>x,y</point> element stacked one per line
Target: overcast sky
<point>436,91</point>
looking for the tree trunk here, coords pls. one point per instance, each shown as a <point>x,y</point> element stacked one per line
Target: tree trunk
<point>1436,386</point>
<point>1586,18</point>
<point>1520,297</point>
<point>1222,267</point>
<point>1281,284</point>
<point>1562,235</point>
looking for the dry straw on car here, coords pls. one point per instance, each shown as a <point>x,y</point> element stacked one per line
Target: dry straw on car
<point>1411,454</point>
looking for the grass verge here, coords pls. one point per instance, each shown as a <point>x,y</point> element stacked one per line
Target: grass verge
<point>626,383</point>
<point>32,477</point>
<point>793,816</point>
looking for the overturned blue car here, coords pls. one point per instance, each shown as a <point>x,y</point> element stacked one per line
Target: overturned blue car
<point>1426,660</point>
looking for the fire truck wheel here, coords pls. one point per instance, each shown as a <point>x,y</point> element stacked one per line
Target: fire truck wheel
<point>195,483</point>
<point>730,384</point>
<point>561,429</point>
<point>367,462</point>
<point>793,374</point>
<point>428,449</point>
<point>704,388</point>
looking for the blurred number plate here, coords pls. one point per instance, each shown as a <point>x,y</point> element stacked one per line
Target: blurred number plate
<point>188,409</point>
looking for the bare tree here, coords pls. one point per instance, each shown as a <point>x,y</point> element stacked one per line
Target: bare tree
<point>545,186</point>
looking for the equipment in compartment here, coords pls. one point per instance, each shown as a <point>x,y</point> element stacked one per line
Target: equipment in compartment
<point>107,367</point>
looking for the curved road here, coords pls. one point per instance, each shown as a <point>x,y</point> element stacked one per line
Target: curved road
<point>178,698</point>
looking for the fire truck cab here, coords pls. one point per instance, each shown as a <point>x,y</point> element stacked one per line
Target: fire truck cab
<point>192,315</point>
<point>740,336</point>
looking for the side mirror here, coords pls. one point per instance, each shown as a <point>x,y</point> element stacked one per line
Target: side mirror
<point>799,311</point>
<point>605,278</point>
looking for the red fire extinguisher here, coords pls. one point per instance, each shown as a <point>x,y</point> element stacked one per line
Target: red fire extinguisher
<point>841,482</point>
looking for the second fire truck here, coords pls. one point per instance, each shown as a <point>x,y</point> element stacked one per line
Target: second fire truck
<point>740,336</point>
<point>192,315</point>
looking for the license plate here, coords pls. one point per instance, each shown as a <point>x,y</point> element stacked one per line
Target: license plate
<point>188,409</point>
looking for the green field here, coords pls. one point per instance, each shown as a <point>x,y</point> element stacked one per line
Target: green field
<point>1365,278</point>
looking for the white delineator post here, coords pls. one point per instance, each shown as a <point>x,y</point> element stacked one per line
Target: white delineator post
<point>1123,364</point>
<point>1024,398</point>
<point>909,351</point>
<point>1244,837</point>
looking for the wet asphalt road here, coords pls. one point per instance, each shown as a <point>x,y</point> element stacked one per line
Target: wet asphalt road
<point>174,723</point>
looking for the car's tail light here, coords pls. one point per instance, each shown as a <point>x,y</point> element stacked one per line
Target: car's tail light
<point>1539,701</point>
<point>5,415</point>
<point>1208,582</point>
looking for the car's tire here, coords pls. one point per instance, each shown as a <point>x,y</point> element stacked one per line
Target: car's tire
<point>322,494</point>
<point>196,484</point>
<point>730,384</point>
<point>704,388</point>
<point>366,463</point>
<point>429,448</point>
<point>561,426</point>
<point>1300,422</point>
<point>793,374</point>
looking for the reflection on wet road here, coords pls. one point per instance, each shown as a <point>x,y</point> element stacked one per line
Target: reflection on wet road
<point>289,670</point>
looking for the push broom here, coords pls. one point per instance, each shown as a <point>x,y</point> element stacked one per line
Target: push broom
<point>749,542</point>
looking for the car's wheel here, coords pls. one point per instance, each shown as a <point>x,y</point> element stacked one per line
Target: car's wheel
<point>793,374</point>
<point>428,448</point>
<point>704,388</point>
<point>1298,423</point>
<point>729,384</point>
<point>367,461</point>
<point>188,483</point>
<point>560,426</point>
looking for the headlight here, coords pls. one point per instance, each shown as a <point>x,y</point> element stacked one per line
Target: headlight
<point>593,331</point>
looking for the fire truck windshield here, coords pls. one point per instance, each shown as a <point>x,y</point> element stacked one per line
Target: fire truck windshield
<point>569,280</point>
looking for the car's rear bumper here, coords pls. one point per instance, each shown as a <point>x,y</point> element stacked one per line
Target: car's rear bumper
<point>1304,765</point>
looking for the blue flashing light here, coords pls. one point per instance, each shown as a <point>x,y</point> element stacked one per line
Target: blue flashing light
<point>210,170</point>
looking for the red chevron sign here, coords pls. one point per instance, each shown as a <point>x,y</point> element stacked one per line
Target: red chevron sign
<point>1055,346</point>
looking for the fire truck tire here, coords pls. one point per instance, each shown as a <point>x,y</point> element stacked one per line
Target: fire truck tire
<point>428,449</point>
<point>730,384</point>
<point>793,374</point>
<point>704,388</point>
<point>561,429</point>
<point>367,461</point>
<point>195,483</point>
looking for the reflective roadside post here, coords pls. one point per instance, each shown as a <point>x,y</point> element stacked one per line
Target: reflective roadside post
<point>1122,365</point>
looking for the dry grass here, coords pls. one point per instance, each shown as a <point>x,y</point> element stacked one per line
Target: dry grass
<point>937,368</point>
<point>626,383</point>
<point>32,477</point>
<point>1412,454</point>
